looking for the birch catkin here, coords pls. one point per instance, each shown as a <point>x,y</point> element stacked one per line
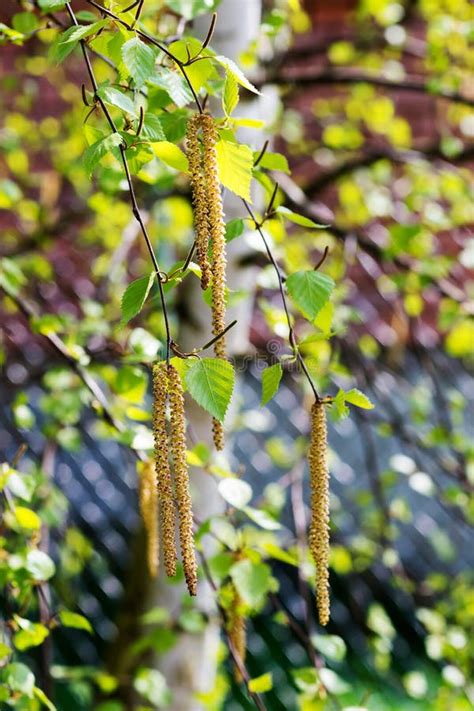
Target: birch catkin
<point>217,235</point>
<point>319,527</point>
<point>199,195</point>
<point>163,472</point>
<point>148,500</point>
<point>237,632</point>
<point>181,478</point>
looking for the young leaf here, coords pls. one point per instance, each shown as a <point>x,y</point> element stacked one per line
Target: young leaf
<point>235,163</point>
<point>135,296</point>
<point>230,97</point>
<point>139,59</point>
<point>210,381</point>
<point>83,31</point>
<point>117,98</point>
<point>252,581</point>
<point>232,68</point>
<point>174,85</point>
<point>171,155</point>
<point>261,684</point>
<point>236,492</point>
<point>357,398</point>
<point>271,377</point>
<point>273,161</point>
<point>49,5</point>
<point>94,154</point>
<point>234,228</point>
<point>310,291</point>
<point>198,72</point>
<point>339,403</point>
<point>152,128</point>
<point>73,619</point>
<point>298,219</point>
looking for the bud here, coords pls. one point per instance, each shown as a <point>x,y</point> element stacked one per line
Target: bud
<point>319,527</point>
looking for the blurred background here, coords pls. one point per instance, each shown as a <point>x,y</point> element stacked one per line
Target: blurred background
<point>371,102</point>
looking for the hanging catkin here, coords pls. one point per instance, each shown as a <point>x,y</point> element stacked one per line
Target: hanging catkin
<point>148,500</point>
<point>200,201</point>
<point>181,478</point>
<point>237,632</point>
<point>319,527</point>
<point>217,234</point>
<point>163,473</point>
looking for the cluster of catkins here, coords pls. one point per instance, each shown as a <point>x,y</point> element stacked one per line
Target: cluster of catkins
<point>319,526</point>
<point>201,138</point>
<point>172,478</point>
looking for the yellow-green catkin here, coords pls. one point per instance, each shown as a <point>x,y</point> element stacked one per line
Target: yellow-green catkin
<point>148,500</point>
<point>167,515</point>
<point>200,198</point>
<point>217,234</point>
<point>319,527</point>
<point>237,632</point>
<point>181,478</point>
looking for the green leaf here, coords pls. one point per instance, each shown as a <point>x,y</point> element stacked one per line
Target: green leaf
<point>151,684</point>
<point>235,163</point>
<point>232,69</point>
<point>19,678</point>
<point>139,59</point>
<point>236,492</point>
<point>262,519</point>
<point>73,619</point>
<point>333,682</point>
<point>252,580</point>
<point>271,377</point>
<point>357,398</point>
<point>298,219</point>
<point>27,519</point>
<point>192,8</point>
<point>134,297</point>
<point>60,47</point>
<point>330,646</point>
<point>230,96</point>
<point>24,22</point>
<point>210,382</point>
<point>94,154</point>
<point>39,565</point>
<point>198,72</point>
<point>234,228</point>
<point>339,403</point>
<point>273,161</point>
<point>310,291</point>
<point>49,5</point>
<point>171,155</point>
<point>174,85</point>
<point>115,97</point>
<point>82,31</point>
<point>5,651</point>
<point>31,634</point>
<point>261,684</point>
<point>152,128</point>
<point>11,276</point>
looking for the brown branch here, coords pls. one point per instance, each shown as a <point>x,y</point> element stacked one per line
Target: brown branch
<point>315,77</point>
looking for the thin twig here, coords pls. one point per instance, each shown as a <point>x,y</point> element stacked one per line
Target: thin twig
<point>291,335</point>
<point>131,189</point>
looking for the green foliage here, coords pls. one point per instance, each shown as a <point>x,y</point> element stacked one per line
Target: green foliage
<point>310,291</point>
<point>271,378</point>
<point>211,381</point>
